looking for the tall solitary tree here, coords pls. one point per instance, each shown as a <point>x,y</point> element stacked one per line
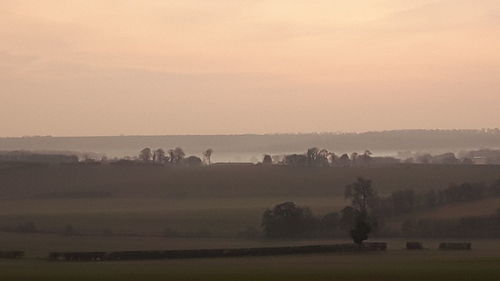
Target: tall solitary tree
<point>287,220</point>
<point>207,155</point>
<point>363,202</point>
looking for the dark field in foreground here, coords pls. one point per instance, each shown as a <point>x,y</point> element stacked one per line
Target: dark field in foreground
<point>394,265</point>
<point>222,200</point>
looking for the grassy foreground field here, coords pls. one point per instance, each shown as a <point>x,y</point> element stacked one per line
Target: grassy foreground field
<point>219,200</point>
<point>395,265</point>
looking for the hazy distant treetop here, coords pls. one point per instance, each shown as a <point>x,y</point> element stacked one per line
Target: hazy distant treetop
<point>267,159</point>
<point>207,155</point>
<point>287,220</point>
<point>146,155</point>
<point>159,156</point>
<point>176,155</point>
<point>192,161</point>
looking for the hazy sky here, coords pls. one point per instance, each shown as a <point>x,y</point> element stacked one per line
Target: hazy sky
<point>103,67</point>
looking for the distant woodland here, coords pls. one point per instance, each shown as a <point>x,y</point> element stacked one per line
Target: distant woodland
<point>432,141</point>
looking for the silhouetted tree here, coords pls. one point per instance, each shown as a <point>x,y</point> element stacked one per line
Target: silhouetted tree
<point>267,159</point>
<point>317,157</point>
<point>295,160</point>
<point>333,158</point>
<point>193,161</point>
<point>362,195</point>
<point>363,202</point>
<point>145,155</point>
<point>287,220</point>
<point>207,155</point>
<point>354,157</point>
<point>312,155</point>
<point>176,155</point>
<point>361,229</point>
<point>322,158</point>
<point>159,156</point>
<point>344,160</point>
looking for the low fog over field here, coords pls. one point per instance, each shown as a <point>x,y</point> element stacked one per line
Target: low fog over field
<point>250,148</point>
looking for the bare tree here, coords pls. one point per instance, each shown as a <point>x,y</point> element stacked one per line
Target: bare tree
<point>207,155</point>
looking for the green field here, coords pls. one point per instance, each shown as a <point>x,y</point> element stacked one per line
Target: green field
<point>394,265</point>
<point>139,202</point>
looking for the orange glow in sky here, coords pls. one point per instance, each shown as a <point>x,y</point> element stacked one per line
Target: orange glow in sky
<point>102,67</point>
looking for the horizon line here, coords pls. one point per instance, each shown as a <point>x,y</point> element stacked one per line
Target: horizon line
<point>483,130</point>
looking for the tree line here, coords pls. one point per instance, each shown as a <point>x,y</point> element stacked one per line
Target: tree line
<point>320,157</point>
<point>174,156</point>
<point>288,220</point>
<point>368,212</point>
<point>316,157</point>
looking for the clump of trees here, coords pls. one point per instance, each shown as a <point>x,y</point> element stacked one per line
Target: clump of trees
<point>268,160</point>
<point>175,156</point>
<point>472,157</point>
<point>287,220</point>
<point>368,212</point>
<point>316,157</point>
<point>408,201</point>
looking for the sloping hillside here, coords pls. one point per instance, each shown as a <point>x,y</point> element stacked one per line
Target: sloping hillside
<point>226,181</point>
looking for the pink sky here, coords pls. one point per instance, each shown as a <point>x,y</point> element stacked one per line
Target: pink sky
<point>107,67</point>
